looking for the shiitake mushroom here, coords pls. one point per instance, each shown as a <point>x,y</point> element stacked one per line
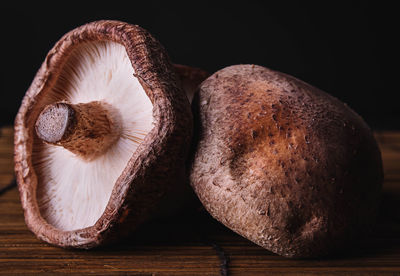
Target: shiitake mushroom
<point>283,163</point>
<point>102,135</point>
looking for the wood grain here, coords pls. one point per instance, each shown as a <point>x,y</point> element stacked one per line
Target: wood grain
<point>184,246</point>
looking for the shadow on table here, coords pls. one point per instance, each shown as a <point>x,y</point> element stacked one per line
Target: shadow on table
<point>385,238</point>
<point>195,227</point>
<point>198,228</point>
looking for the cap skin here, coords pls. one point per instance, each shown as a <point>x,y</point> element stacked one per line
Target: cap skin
<point>190,78</point>
<point>282,163</point>
<point>153,168</point>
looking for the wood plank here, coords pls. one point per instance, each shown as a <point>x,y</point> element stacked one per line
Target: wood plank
<point>184,245</point>
<point>6,156</point>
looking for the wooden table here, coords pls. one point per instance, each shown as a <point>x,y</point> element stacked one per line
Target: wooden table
<point>190,245</point>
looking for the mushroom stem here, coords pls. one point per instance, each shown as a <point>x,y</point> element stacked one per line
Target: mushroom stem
<point>86,129</point>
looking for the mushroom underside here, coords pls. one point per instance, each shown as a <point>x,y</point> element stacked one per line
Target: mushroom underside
<point>73,192</point>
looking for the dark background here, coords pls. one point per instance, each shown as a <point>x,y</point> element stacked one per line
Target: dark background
<point>345,49</point>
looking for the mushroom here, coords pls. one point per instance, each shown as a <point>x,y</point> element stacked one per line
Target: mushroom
<point>282,163</point>
<point>101,136</point>
<point>190,78</point>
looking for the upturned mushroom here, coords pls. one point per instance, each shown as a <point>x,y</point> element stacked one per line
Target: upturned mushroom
<point>101,136</point>
<point>283,163</point>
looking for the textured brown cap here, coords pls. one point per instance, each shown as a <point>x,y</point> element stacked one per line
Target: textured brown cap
<point>282,163</point>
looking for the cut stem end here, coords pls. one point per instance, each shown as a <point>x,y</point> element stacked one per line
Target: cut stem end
<point>86,129</point>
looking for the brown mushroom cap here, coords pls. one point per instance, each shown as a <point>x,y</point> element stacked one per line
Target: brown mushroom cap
<point>190,78</point>
<point>150,171</point>
<point>282,163</point>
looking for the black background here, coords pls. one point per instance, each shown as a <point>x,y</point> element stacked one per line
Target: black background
<point>345,49</point>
